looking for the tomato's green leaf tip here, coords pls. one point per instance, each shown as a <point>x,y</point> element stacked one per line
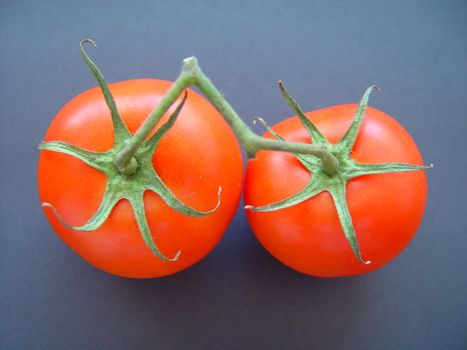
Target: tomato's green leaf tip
<point>315,134</point>
<point>121,132</point>
<point>156,185</point>
<point>88,40</point>
<point>347,142</point>
<point>97,160</point>
<point>314,187</point>
<point>108,202</point>
<point>151,144</point>
<point>137,203</point>
<point>356,169</point>
<point>338,193</point>
<point>267,127</point>
<point>57,215</point>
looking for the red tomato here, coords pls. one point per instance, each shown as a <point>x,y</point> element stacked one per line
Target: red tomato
<point>386,209</point>
<point>195,157</point>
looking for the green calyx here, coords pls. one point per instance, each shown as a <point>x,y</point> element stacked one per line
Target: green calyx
<point>131,179</point>
<point>333,178</point>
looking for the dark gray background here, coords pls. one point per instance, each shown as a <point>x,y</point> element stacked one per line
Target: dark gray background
<point>239,297</point>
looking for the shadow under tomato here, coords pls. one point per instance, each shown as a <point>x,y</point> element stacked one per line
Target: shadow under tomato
<point>239,297</point>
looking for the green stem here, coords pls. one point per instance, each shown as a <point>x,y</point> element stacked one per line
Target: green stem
<point>192,75</point>
<point>125,155</point>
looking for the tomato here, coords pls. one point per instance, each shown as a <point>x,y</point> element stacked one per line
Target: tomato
<point>386,209</point>
<point>198,155</point>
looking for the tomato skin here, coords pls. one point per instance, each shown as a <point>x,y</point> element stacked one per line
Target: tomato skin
<point>199,154</point>
<point>386,209</point>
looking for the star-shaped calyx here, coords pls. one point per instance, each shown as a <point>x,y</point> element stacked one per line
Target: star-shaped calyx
<point>347,169</point>
<point>131,182</point>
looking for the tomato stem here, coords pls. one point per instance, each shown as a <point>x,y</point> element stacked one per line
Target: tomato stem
<point>192,75</point>
<point>125,155</point>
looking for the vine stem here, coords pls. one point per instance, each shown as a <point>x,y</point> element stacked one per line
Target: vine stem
<point>191,75</point>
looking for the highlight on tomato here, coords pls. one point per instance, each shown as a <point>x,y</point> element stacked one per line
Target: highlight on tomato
<point>134,187</point>
<point>349,215</point>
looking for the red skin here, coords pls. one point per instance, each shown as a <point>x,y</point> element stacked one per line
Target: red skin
<point>386,208</point>
<point>199,154</point>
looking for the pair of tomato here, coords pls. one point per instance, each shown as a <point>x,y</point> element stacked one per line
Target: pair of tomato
<point>199,154</point>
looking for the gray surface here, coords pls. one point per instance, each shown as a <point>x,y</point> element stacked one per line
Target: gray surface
<point>239,297</point>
